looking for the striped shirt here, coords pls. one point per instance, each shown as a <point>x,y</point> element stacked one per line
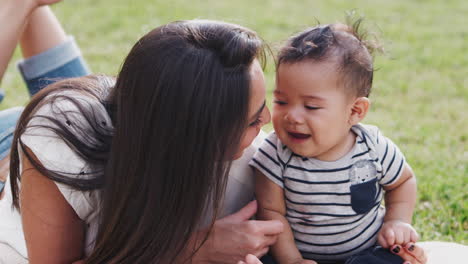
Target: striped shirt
<point>334,208</point>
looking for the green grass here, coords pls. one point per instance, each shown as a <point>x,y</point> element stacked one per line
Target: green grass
<point>420,96</point>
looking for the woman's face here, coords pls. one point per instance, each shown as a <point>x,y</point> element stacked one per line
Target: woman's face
<point>259,114</point>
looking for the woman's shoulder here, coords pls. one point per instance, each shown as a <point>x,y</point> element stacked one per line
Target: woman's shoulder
<point>55,127</point>
<point>60,133</point>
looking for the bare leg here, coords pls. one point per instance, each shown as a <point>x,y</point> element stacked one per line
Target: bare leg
<point>13,14</point>
<point>49,54</point>
<point>42,32</point>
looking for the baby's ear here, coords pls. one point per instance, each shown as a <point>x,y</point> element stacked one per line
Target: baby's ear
<point>359,110</point>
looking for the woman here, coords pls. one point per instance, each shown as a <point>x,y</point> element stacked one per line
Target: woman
<point>235,74</point>
<point>147,160</point>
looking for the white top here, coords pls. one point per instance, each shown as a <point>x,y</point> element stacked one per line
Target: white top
<point>333,207</point>
<point>55,154</point>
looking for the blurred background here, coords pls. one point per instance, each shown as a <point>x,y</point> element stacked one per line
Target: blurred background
<point>420,93</point>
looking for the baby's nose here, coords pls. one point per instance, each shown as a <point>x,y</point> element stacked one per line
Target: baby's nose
<point>294,117</point>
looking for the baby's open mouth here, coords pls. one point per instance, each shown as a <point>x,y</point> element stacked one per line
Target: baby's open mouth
<point>298,135</point>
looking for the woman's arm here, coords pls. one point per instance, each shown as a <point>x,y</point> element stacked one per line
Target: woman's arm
<point>53,231</point>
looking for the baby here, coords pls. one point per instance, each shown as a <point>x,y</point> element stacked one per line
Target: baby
<point>323,173</point>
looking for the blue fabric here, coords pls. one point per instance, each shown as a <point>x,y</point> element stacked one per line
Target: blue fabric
<point>268,259</point>
<point>8,119</point>
<point>60,62</point>
<point>364,196</point>
<point>372,255</point>
<point>71,69</point>
<point>375,255</point>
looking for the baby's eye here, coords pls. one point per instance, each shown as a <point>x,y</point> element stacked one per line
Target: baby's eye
<point>279,102</point>
<point>309,107</point>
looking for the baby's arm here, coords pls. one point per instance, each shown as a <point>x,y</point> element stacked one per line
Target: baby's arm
<point>400,199</point>
<point>271,206</point>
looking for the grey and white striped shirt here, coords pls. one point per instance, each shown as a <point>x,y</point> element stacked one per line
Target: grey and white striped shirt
<point>334,208</point>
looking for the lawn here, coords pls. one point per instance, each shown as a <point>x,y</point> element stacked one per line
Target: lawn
<point>420,96</point>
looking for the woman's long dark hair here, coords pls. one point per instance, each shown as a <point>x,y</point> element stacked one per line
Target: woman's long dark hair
<point>89,136</point>
<point>179,108</point>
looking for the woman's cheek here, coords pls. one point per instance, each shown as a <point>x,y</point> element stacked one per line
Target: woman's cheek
<point>249,136</point>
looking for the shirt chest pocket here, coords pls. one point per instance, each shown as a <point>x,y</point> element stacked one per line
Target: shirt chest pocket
<point>364,186</point>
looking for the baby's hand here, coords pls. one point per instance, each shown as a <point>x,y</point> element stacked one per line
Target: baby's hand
<point>396,232</point>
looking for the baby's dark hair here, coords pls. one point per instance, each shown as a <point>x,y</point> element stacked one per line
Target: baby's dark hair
<point>342,44</point>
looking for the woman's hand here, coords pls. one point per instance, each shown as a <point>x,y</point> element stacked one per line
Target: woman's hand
<point>308,261</point>
<point>305,261</point>
<point>411,253</point>
<point>250,259</point>
<point>235,236</point>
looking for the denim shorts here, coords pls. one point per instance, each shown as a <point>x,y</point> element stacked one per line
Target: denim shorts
<point>8,120</point>
<point>60,62</point>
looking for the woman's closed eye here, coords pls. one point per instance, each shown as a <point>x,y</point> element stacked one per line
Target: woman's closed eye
<point>279,102</point>
<point>255,123</point>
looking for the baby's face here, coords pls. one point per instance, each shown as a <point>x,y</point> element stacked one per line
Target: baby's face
<point>311,112</point>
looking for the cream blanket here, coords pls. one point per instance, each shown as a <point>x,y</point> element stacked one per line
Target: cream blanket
<point>438,253</point>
